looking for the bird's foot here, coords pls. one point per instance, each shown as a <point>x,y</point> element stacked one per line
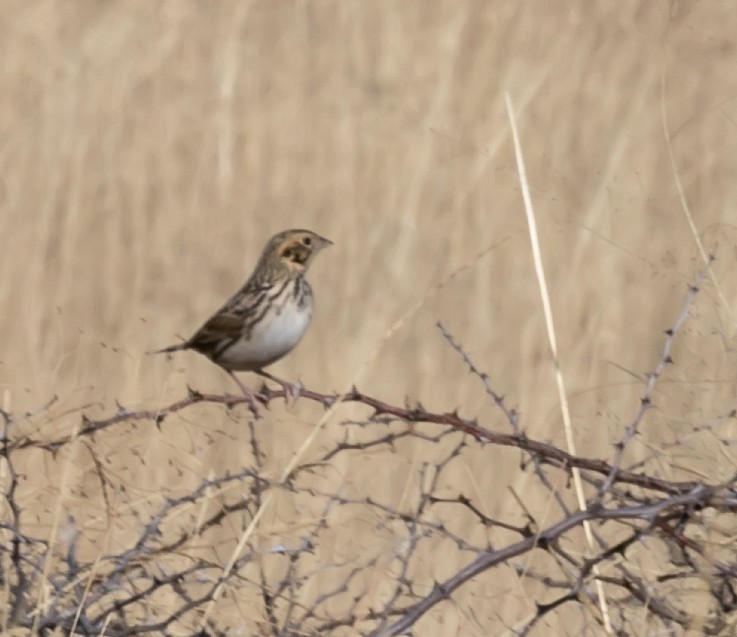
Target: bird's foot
<point>292,391</point>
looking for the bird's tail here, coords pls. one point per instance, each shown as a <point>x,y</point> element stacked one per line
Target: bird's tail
<point>172,348</point>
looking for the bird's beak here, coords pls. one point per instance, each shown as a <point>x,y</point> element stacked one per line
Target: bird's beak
<point>324,243</point>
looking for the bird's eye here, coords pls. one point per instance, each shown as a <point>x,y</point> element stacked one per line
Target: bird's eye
<point>307,241</point>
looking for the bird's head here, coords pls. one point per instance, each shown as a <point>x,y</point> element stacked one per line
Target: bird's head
<point>293,250</point>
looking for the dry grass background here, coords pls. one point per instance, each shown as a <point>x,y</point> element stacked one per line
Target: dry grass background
<point>149,149</point>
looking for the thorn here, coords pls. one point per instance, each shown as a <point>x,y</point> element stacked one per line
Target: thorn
<point>194,394</point>
<point>669,332</point>
<point>668,360</point>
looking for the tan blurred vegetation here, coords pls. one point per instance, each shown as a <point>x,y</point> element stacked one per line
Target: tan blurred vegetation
<point>148,150</point>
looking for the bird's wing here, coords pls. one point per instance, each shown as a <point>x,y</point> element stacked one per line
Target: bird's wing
<point>248,301</point>
<point>231,322</point>
<point>217,334</point>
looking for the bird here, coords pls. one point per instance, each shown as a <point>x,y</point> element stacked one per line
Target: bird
<point>266,318</point>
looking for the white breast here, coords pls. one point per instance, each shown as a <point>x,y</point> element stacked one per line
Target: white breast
<point>273,337</point>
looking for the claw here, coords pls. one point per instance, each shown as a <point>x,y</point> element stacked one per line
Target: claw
<point>292,391</point>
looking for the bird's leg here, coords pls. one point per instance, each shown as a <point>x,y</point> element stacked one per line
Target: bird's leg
<point>291,390</point>
<point>250,396</point>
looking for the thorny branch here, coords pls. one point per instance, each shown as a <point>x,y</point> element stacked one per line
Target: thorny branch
<point>548,453</point>
<point>157,577</point>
